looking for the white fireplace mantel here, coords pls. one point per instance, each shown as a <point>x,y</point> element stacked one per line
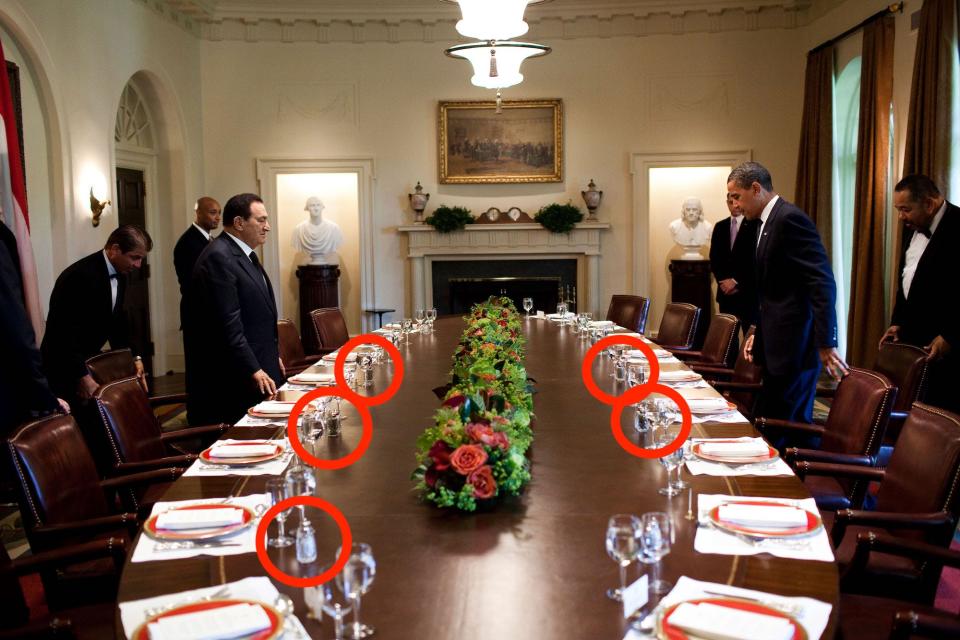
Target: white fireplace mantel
<point>517,241</point>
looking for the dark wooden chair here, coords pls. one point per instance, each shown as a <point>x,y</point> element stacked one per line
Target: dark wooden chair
<point>629,311</point>
<point>678,326</point>
<point>291,348</point>
<point>870,617</point>
<point>718,346</point>
<point>851,435</point>
<point>740,384</point>
<point>918,499</point>
<point>330,328</point>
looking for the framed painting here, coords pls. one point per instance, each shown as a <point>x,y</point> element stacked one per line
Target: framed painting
<point>524,143</point>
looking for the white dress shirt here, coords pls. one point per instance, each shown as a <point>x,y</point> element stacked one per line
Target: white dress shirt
<point>918,244</point>
<point>246,251</point>
<point>205,233</point>
<point>764,215</point>
<point>114,282</point>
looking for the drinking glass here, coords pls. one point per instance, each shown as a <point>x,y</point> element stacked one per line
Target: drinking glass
<point>528,305</point>
<point>431,318</point>
<point>562,312</point>
<point>655,536</point>
<point>623,547</point>
<point>331,417</point>
<point>277,488</point>
<point>421,316</point>
<point>354,581</point>
<point>334,603</point>
<point>670,462</point>
<point>407,326</point>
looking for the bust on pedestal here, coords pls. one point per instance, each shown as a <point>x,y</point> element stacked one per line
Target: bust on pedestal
<point>319,278</point>
<point>690,230</point>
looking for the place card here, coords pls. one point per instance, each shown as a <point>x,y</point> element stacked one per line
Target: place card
<point>635,596</point>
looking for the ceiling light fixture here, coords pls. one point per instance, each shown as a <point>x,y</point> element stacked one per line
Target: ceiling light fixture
<point>493,19</point>
<point>496,65</point>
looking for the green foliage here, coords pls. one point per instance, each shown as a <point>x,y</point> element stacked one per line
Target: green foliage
<point>559,218</point>
<point>446,219</point>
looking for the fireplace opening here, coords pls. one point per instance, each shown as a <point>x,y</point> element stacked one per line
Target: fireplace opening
<point>459,284</point>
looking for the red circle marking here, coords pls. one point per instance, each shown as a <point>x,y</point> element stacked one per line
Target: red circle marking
<point>345,544</point>
<point>395,357</point>
<point>336,463</point>
<point>587,374</point>
<point>635,395</point>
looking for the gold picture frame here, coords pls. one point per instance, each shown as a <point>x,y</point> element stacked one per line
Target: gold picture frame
<point>477,145</point>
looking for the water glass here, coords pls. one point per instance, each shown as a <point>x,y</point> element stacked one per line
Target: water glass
<point>562,312</point>
<point>277,489</point>
<point>670,462</point>
<point>332,420</point>
<point>431,318</point>
<point>354,581</point>
<point>332,602</point>
<point>656,533</point>
<point>407,326</point>
<point>623,547</point>
<point>528,305</point>
<point>421,316</point>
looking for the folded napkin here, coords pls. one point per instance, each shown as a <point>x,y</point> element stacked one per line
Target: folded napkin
<point>393,325</point>
<point>680,375</point>
<point>232,621</point>
<point>631,334</point>
<point>598,323</point>
<point>241,450</point>
<point>753,448</point>
<point>716,622</point>
<point>330,357</point>
<point>322,378</point>
<point>764,517</point>
<point>180,519</point>
<point>702,405</point>
<point>274,407</point>
<point>556,316</point>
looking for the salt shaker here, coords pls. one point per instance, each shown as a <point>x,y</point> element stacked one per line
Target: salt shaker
<point>306,543</point>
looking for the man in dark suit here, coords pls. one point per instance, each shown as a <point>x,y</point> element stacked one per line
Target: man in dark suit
<point>797,321</point>
<point>927,310</point>
<point>732,250</point>
<point>24,392</point>
<point>232,324</point>
<point>86,311</point>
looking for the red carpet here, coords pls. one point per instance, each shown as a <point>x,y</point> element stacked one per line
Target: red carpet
<point>948,593</point>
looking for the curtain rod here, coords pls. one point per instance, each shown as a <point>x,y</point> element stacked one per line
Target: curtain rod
<point>896,7</point>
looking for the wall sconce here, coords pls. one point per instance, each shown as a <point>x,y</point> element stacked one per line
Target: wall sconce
<point>418,202</point>
<point>592,199</point>
<point>96,207</point>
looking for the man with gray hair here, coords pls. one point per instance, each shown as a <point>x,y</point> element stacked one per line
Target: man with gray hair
<point>797,325</point>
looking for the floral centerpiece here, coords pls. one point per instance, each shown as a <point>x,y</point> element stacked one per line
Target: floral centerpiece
<point>475,452</point>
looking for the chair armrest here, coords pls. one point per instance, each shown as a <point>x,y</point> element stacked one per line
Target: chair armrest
<point>765,425</point>
<point>115,548</point>
<point>711,370</point>
<point>909,624</point>
<point>170,398</point>
<point>194,432</point>
<point>673,347</point>
<point>168,474</point>
<point>852,471</point>
<point>795,454</point>
<point>688,355</point>
<point>887,543</point>
<point>169,461</point>
<point>888,520</point>
<point>722,385</point>
<point>53,533</point>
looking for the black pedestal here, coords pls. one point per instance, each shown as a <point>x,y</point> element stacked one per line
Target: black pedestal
<point>318,290</point>
<point>691,283</point>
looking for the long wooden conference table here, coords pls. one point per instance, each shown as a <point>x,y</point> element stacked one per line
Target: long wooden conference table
<point>534,567</point>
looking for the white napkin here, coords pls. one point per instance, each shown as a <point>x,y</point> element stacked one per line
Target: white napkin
<point>706,620</point>
<point>330,357</point>
<point>308,377</point>
<point>812,615</point>
<point>632,334</point>
<point>681,375</point>
<point>232,621</point>
<point>705,405</point>
<point>274,407</point>
<point>184,519</point>
<point>709,539</point>
<point>594,323</point>
<point>727,417</point>
<point>270,468</point>
<point>763,517</point>
<point>222,450</point>
<point>243,541</point>
<point>570,314</point>
<point>751,448</point>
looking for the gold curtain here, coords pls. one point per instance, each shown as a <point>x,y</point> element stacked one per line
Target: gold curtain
<point>814,190</point>
<point>867,319</point>
<point>930,123</point>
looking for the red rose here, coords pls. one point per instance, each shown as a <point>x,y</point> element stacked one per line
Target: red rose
<point>478,432</point>
<point>502,323</point>
<point>440,454</point>
<point>484,486</point>
<point>501,440</point>
<point>431,476</point>
<point>467,458</point>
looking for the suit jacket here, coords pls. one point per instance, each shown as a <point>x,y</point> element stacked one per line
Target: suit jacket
<point>81,318</point>
<point>796,292</point>
<point>23,386</point>
<point>933,308</point>
<point>188,248</point>
<point>231,332</point>
<point>736,263</point>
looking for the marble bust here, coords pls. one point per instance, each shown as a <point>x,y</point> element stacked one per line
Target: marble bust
<point>690,230</point>
<point>317,237</point>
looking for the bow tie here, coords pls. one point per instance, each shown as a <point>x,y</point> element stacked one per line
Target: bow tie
<point>925,232</point>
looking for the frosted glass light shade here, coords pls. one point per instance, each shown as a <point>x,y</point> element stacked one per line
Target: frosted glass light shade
<point>496,65</point>
<point>493,19</point>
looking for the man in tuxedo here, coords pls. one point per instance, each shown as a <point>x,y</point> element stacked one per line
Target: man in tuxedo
<point>24,392</point>
<point>86,311</point>
<point>797,323</point>
<point>234,361</point>
<point>927,312</point>
<point>732,250</point>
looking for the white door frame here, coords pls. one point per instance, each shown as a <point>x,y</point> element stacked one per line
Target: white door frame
<point>269,167</point>
<point>640,165</point>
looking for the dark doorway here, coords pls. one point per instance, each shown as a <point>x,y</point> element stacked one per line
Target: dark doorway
<point>130,210</point>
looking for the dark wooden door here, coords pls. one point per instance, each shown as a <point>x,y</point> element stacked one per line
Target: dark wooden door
<point>131,194</point>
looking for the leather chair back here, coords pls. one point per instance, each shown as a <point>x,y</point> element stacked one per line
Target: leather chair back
<point>291,347</point>
<point>859,413</point>
<point>111,365</point>
<point>131,427</point>
<point>678,326</point>
<point>56,478</point>
<point>330,327</point>
<point>718,344</point>
<point>906,366</point>
<point>629,311</point>
<point>924,471</point>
